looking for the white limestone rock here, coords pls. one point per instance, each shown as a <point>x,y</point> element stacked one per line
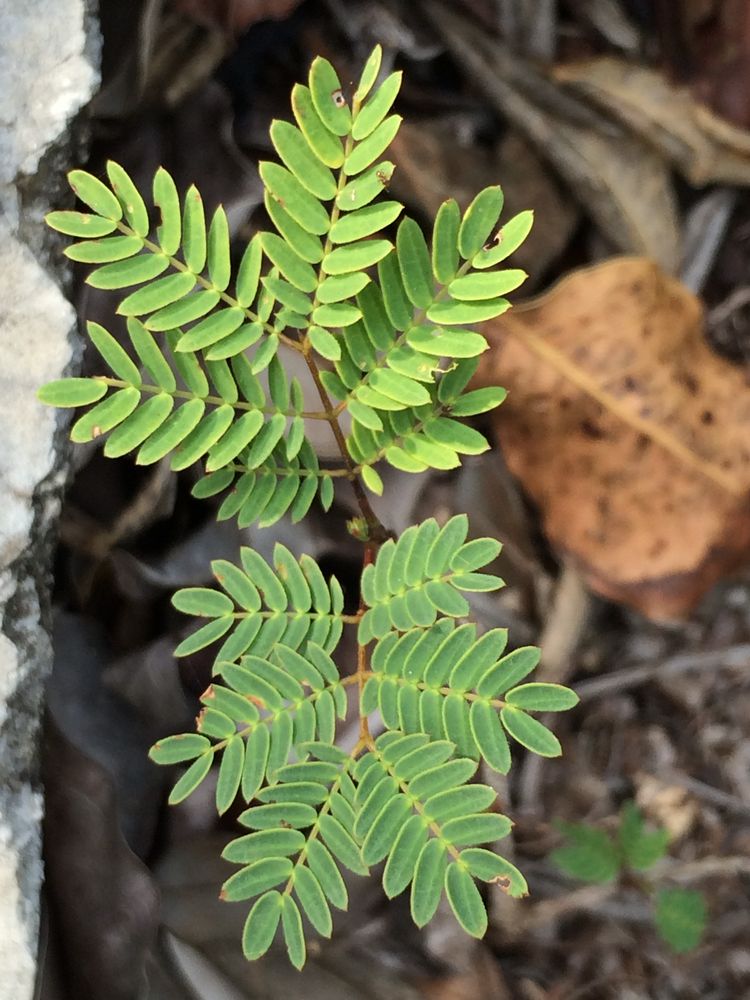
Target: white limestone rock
<point>48,71</point>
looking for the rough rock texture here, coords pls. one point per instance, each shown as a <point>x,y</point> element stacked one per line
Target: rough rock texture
<point>48,60</point>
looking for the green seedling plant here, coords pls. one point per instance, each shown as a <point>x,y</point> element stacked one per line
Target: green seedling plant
<point>592,855</point>
<point>381,326</point>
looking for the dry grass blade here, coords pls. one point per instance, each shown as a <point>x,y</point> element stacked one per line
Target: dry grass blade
<point>703,147</point>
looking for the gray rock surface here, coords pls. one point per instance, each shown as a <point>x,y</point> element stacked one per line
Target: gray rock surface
<point>48,71</point>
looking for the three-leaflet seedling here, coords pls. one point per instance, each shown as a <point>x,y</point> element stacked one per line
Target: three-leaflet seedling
<point>381,330</point>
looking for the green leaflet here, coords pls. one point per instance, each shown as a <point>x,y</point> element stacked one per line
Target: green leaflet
<point>133,206</point>
<point>158,294</point>
<point>201,601</point>
<point>377,107</point>
<point>530,733</point>
<point>456,313</point>
<point>588,854</point>
<point>341,286</point>
<point>489,867</point>
<point>105,250</point>
<point>167,201</point>
<point>191,779</point>
<point>325,144</point>
<point>506,242</point>
<point>681,916</point>
<point>248,275</point>
<point>194,231</point>
<point>479,221</point>
<point>304,244</point>
<point>294,938</point>
<point>337,314</point>
<point>292,266</point>
<point>362,222</point>
<point>219,263</point>
<point>186,310</point>
<point>365,188</point>
<point>345,259</point>
<point>328,98</point>
<point>427,886</point>
<point>144,422</point>
<point>324,343</point>
<point>465,900</point>
<point>297,155</point>
<point>303,207</point>
<point>211,330</point>
<point>414,263</point>
<point>79,224</point>
<point>71,392</point>
<point>369,74</point>
<point>641,847</point>
<point>446,343</point>
<point>402,860</point>
<point>151,356</point>
<point>261,924</point>
<point>313,900</point>
<point>230,774</point>
<point>542,697</point>
<point>365,154</point>
<point>105,415</point>
<point>133,271</point>
<point>445,258</point>
<point>489,736</point>
<point>96,195</point>
<point>175,749</point>
<point>485,284</point>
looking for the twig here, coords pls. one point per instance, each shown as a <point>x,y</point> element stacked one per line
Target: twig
<point>705,230</point>
<point>714,796</point>
<point>601,898</point>
<point>736,300</point>
<point>694,871</point>
<point>731,658</point>
<point>561,635</point>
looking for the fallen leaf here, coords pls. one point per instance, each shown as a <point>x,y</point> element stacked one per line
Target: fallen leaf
<point>103,727</point>
<point>619,179</point>
<point>704,148</point>
<point>667,805</point>
<point>629,434</point>
<point>103,901</point>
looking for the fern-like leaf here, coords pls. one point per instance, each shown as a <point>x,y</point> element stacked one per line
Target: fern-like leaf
<point>378,315</point>
<point>416,811</point>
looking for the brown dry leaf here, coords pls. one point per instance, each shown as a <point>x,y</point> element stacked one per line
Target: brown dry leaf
<point>621,181</point>
<point>628,432</point>
<point>705,148</point>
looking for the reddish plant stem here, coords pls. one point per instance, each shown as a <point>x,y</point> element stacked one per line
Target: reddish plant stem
<point>371,550</point>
